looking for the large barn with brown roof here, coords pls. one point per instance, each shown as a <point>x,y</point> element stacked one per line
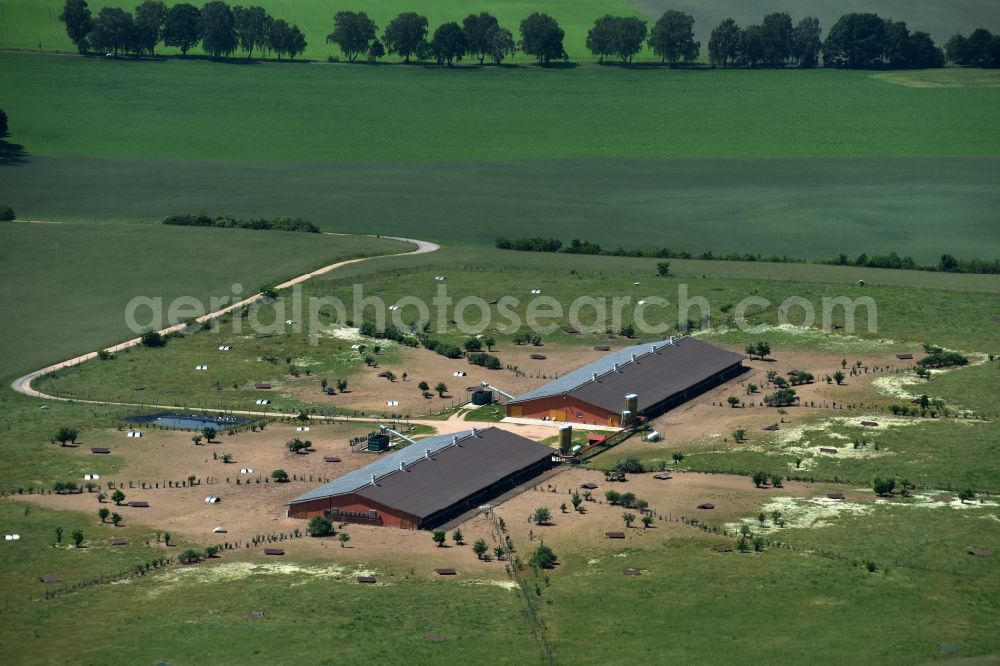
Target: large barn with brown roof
<point>657,377</point>
<point>429,482</point>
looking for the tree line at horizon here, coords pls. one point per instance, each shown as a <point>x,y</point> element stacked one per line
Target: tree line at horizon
<point>947,263</point>
<point>856,41</point>
<point>217,27</point>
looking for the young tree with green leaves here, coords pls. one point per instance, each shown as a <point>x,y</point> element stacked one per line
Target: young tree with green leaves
<point>209,434</point>
<point>807,42</point>
<point>542,38</point>
<point>353,32</point>
<point>280,475</point>
<point>500,44</point>
<point>296,445</point>
<point>252,27</point>
<point>118,497</point>
<point>725,44</point>
<point>319,526</point>
<point>103,513</point>
<point>449,43</point>
<point>180,27</point>
<point>672,38</point>
<point>439,537</point>
<point>543,557</point>
<point>479,548</point>
<point>149,18</point>
<point>217,29</point>
<point>777,29</point>
<point>477,28</point>
<point>286,39</point>
<point>542,515</point>
<point>404,33</point>
<point>629,518</point>
<point>647,520</point>
<point>883,487</point>
<point>78,538</point>
<point>344,537</point>
<point>64,435</point>
<point>79,23</point>
<point>457,537</point>
<point>116,519</point>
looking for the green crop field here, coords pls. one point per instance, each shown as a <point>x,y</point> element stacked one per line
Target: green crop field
<point>673,162</point>
<point>302,602</point>
<point>494,114</point>
<point>789,606</point>
<point>80,278</point>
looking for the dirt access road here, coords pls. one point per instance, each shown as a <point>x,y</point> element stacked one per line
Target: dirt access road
<point>23,384</point>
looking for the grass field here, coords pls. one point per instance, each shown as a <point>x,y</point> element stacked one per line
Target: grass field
<point>681,154</point>
<point>301,601</point>
<point>81,277</point>
<point>785,205</point>
<point>950,455</point>
<point>674,610</point>
<point>788,606</point>
<point>906,317</point>
<point>395,113</point>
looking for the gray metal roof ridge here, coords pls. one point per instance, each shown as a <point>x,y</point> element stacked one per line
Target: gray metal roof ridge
<point>584,375</point>
<point>386,465</point>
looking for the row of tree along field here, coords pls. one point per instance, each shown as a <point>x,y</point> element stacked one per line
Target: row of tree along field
<point>856,41</point>
<point>217,27</point>
<point>947,263</point>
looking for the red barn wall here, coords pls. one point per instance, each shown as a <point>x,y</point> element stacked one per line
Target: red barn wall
<point>565,408</point>
<point>387,516</point>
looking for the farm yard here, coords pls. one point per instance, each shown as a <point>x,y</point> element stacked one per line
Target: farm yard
<point>229,491</point>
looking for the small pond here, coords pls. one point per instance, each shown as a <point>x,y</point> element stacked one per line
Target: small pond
<point>189,421</point>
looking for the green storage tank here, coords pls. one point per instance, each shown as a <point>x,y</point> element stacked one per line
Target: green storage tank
<point>482,397</point>
<point>378,442</point>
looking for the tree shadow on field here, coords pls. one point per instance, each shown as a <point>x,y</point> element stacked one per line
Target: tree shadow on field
<point>12,154</point>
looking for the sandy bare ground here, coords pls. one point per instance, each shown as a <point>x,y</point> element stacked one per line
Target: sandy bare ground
<point>248,510</point>
<point>700,419</point>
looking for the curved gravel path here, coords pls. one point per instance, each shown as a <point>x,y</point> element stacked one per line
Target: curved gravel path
<point>23,384</point>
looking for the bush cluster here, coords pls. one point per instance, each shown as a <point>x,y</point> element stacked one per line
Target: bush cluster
<point>227,222</point>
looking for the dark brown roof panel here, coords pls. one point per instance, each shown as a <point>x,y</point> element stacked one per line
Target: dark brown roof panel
<point>656,377</point>
<point>430,485</point>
